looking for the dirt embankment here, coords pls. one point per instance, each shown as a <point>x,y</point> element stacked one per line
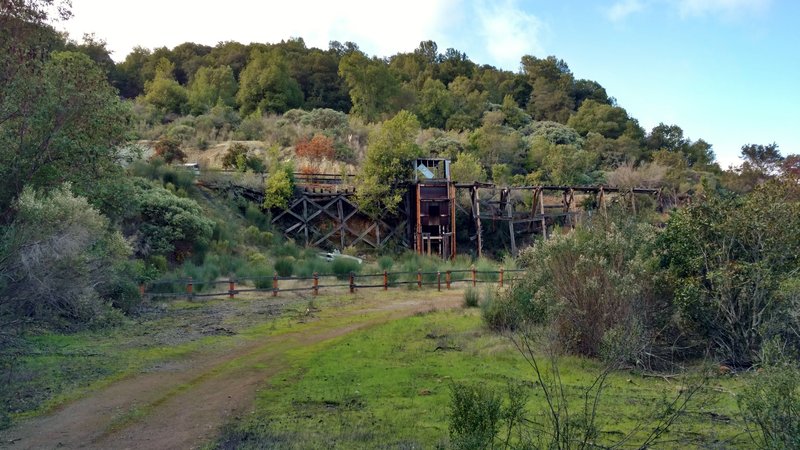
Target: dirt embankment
<point>183,403</point>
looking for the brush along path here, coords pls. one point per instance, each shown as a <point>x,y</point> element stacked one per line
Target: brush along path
<point>183,404</point>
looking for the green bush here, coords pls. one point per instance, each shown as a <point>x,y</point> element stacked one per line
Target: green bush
<point>309,265</point>
<point>770,404</point>
<point>588,281</point>
<point>56,260</point>
<point>342,267</point>
<point>284,266</point>
<point>385,262</point>
<point>475,416</point>
<point>471,298</point>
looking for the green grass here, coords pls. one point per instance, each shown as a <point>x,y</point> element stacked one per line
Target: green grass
<point>388,387</point>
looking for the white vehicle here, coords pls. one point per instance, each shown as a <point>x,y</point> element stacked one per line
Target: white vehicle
<point>194,167</point>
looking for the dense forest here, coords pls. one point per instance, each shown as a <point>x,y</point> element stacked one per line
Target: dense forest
<point>91,205</point>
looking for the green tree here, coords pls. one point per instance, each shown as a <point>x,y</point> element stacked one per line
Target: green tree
<point>469,104</point>
<point>211,87</point>
<point>434,105</point>
<point>388,164</point>
<point>467,169</point>
<point>373,88</point>
<point>266,85</point>
<point>727,258</point>
<point>552,83</point>
<point>63,122</point>
<point>164,92</point>
<point>609,121</point>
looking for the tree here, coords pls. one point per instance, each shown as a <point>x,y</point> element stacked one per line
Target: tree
<point>552,84</point>
<point>164,92</point>
<point>609,121</point>
<point>316,149</point>
<point>266,85</point>
<point>169,150</point>
<point>467,169</point>
<point>62,122</point>
<point>372,85</point>
<point>469,104</point>
<point>388,164</point>
<point>727,258</point>
<point>211,87</point>
<point>434,105</point>
<point>764,158</point>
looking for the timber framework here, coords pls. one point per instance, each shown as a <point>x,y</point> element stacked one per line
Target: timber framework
<point>438,216</point>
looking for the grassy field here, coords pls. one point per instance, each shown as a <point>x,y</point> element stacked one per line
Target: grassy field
<point>385,386</point>
<point>389,387</point>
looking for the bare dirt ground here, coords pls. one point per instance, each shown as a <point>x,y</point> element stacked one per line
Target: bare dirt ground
<point>182,404</point>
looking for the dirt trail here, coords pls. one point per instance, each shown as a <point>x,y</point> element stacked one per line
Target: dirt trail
<point>183,404</point>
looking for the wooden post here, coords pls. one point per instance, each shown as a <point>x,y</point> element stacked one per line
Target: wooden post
<point>340,211</point>
<point>501,277</point>
<point>474,278</point>
<point>352,282</point>
<point>603,200</point>
<point>419,278</point>
<point>231,287</point>
<point>476,208</point>
<point>305,219</point>
<point>510,209</point>
<point>419,224</point>
<point>315,291</point>
<point>452,221</point>
<point>447,279</point>
<point>189,287</point>
<point>439,281</point>
<point>633,201</point>
<point>385,280</point>
<point>541,210</point>
<point>275,284</point>
<point>141,290</point>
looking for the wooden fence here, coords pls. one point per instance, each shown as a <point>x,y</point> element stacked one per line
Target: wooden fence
<point>188,288</point>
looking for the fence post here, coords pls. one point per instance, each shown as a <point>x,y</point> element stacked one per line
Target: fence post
<point>189,287</point>
<point>141,290</point>
<point>352,282</point>
<point>275,284</point>
<point>474,277</point>
<point>385,280</point>
<point>439,280</point>
<point>419,278</point>
<point>501,277</point>
<point>231,288</point>
<point>315,291</point>
<point>447,279</point>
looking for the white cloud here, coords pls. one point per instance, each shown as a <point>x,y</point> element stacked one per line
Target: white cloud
<point>379,28</point>
<point>508,32</point>
<point>624,8</point>
<point>726,8</point>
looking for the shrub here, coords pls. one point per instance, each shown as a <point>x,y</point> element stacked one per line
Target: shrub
<point>169,150</point>
<point>318,148</point>
<point>169,225</point>
<point>727,260</point>
<point>770,405</point>
<point>56,259</point>
<point>475,415</point>
<point>588,281</point>
<point>385,262</point>
<point>284,267</point>
<point>471,298</point>
<point>343,267</point>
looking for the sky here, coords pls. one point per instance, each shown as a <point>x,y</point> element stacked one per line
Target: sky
<point>726,71</point>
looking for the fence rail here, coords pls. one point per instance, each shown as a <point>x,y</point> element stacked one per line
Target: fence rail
<point>353,282</point>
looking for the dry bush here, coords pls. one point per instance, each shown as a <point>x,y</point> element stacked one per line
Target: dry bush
<point>647,175</point>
